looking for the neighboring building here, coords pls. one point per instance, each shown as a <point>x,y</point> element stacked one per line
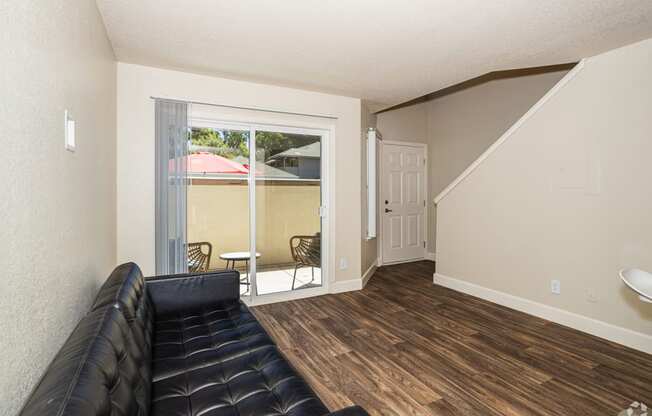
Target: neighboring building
<point>304,162</point>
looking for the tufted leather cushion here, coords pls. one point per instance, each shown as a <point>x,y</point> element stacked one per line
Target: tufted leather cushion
<point>183,292</point>
<point>220,361</point>
<point>96,372</point>
<point>188,340</point>
<point>211,355</point>
<point>257,381</point>
<point>126,288</point>
<point>200,352</point>
<point>126,285</point>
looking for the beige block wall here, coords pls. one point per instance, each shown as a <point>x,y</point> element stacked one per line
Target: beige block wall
<point>219,214</point>
<point>58,208</point>
<point>566,197</point>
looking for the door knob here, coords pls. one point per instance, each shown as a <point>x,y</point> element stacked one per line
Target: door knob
<point>388,210</point>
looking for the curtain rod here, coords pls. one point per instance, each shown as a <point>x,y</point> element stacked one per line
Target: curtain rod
<point>243,108</point>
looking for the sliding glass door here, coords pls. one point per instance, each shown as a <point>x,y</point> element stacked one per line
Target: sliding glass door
<point>218,200</point>
<point>255,204</point>
<point>287,215</point>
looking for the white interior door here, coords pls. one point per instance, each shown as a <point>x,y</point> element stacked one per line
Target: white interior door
<point>402,202</point>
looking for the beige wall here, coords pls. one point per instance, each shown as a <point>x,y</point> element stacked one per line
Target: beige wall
<point>283,211</point>
<point>407,124</point>
<point>135,177</point>
<point>460,126</point>
<point>464,124</point>
<point>58,230</point>
<point>567,196</point>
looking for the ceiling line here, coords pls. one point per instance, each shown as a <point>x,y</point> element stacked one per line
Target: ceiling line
<point>243,108</point>
<point>489,76</point>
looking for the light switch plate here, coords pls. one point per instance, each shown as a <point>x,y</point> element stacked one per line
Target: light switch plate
<point>344,263</point>
<point>69,131</point>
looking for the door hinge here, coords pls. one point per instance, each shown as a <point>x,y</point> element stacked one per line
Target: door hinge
<point>322,211</point>
<point>424,244</point>
<point>424,202</point>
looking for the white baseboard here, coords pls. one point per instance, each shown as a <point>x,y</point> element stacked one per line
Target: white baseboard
<point>431,256</point>
<point>353,284</point>
<point>370,272</point>
<point>627,337</point>
<point>284,296</point>
<point>346,285</point>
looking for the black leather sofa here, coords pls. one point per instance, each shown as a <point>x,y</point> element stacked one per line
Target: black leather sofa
<point>172,345</point>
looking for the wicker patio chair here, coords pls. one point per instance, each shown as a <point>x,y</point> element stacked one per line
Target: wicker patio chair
<point>306,252</point>
<point>199,256</point>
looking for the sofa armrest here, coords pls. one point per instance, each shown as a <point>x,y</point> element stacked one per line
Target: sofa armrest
<point>177,292</point>
<point>349,411</point>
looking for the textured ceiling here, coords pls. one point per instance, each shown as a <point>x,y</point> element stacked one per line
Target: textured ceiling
<point>385,51</point>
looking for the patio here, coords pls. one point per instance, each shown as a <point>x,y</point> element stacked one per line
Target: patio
<point>287,206</point>
<point>279,279</point>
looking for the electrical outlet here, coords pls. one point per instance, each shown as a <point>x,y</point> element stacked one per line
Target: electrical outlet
<point>344,263</point>
<point>555,287</point>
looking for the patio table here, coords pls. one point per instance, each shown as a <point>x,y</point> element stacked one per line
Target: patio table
<point>236,256</point>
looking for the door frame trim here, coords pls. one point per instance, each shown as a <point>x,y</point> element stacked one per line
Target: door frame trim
<point>380,206</point>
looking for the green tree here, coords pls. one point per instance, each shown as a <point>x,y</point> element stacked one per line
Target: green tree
<point>271,142</point>
<point>226,143</point>
<point>237,141</point>
<point>206,137</point>
<point>233,143</point>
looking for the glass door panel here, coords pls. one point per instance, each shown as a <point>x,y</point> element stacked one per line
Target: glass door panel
<point>287,214</point>
<point>254,205</point>
<point>218,200</point>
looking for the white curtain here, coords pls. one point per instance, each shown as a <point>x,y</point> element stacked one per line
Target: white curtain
<point>171,186</point>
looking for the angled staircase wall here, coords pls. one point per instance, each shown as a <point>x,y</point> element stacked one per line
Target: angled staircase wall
<point>564,194</point>
<point>459,126</point>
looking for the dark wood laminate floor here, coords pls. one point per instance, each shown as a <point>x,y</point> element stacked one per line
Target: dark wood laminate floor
<point>403,346</point>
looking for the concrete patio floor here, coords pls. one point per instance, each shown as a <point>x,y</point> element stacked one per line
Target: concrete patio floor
<point>274,280</point>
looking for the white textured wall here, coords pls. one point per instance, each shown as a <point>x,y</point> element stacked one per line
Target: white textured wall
<point>57,239</point>
<point>137,84</point>
<point>568,196</point>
